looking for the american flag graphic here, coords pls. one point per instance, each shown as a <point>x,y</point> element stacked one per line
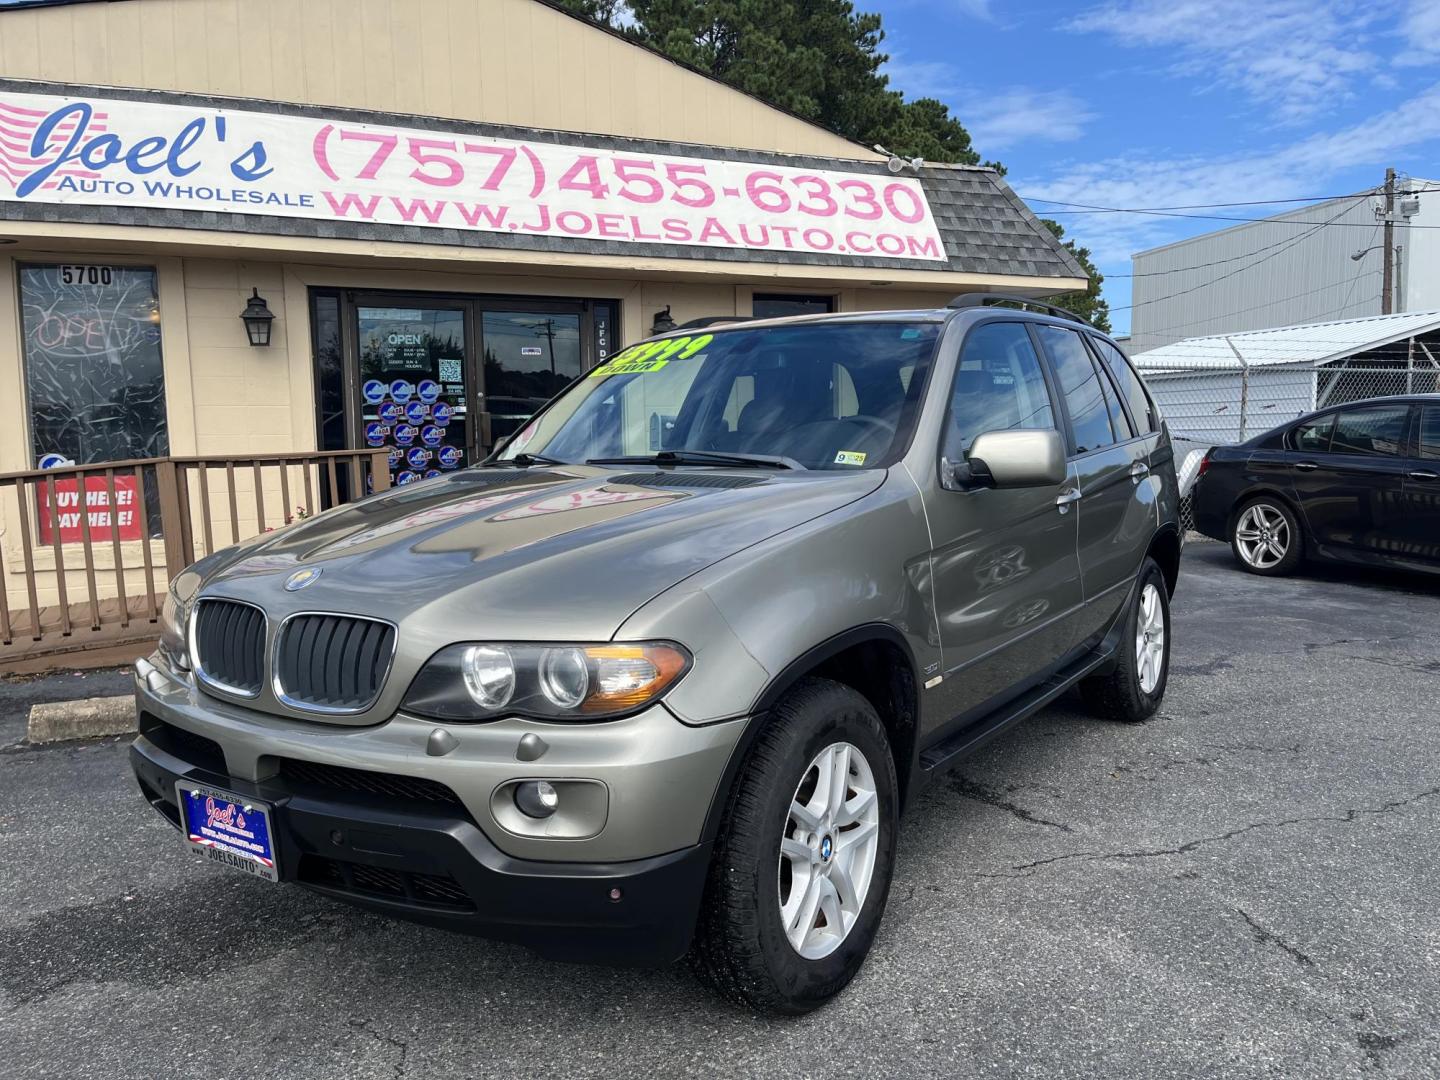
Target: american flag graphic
<point>17,136</point>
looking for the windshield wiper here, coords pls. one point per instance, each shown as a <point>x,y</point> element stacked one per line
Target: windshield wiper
<point>702,457</point>
<point>524,461</point>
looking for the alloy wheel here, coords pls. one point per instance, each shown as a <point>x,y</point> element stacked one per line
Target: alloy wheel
<point>1262,536</point>
<point>828,850</point>
<point>1150,639</point>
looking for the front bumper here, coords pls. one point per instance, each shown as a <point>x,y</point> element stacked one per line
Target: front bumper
<point>432,864</point>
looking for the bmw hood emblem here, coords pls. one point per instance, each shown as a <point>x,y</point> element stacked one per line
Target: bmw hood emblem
<point>301,578</point>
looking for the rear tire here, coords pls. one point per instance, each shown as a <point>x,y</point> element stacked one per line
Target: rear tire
<point>1134,688</point>
<point>1265,537</point>
<point>754,922</point>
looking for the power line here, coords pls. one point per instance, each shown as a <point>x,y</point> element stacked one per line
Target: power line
<point>1162,212</point>
<point>1270,303</point>
<point>1292,241</point>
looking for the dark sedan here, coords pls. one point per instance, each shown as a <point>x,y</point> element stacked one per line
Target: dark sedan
<point>1358,483</point>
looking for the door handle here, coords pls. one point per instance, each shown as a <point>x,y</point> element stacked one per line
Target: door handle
<point>1139,471</point>
<point>1424,474</point>
<point>1306,466</point>
<point>1065,498</point>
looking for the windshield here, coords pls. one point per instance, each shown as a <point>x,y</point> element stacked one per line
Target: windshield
<point>823,395</point>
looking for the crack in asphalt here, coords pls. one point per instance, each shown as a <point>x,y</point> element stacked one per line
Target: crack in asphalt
<point>1190,845</point>
<point>388,1040</point>
<point>1269,937</point>
<point>969,789</point>
<point>1422,667</point>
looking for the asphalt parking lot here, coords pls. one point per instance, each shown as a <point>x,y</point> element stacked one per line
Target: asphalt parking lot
<point>1244,886</point>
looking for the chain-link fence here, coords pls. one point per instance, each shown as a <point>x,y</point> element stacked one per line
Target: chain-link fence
<point>1209,402</point>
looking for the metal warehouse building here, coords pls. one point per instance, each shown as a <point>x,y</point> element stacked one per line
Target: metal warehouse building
<point>1289,269</point>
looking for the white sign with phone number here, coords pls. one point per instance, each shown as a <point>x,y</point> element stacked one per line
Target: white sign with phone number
<point>106,151</point>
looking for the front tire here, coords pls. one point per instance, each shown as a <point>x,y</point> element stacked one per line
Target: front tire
<point>1265,538</point>
<point>803,861</point>
<point>1132,691</point>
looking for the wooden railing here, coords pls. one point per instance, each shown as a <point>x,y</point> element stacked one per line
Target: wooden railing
<point>87,551</point>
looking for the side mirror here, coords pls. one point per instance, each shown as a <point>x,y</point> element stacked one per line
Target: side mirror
<point>1011,459</point>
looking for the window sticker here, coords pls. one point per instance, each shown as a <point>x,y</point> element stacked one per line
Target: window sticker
<point>652,355</point>
<point>850,457</point>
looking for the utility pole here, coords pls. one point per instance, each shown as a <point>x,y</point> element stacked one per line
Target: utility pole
<point>1387,281</point>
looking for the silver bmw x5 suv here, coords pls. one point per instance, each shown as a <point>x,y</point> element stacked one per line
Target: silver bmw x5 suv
<point>659,677</point>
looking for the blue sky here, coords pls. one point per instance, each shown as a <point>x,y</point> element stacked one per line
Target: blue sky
<point>1144,103</point>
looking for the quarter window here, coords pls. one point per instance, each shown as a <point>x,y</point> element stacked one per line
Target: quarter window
<point>1080,383</point>
<point>1379,430</point>
<point>999,386</point>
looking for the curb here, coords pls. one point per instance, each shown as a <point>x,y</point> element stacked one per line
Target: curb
<point>86,718</point>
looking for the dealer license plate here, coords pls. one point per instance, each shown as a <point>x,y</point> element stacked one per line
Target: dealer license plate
<point>228,829</point>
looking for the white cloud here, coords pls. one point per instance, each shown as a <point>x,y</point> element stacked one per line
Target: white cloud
<point>976,9</point>
<point>1307,166</point>
<point>1295,56</point>
<point>1420,26</point>
<point>1000,120</point>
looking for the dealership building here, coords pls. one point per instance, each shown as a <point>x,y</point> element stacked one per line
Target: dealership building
<point>273,227</point>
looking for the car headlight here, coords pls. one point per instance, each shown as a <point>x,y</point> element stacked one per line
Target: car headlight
<point>545,682</point>
<point>175,630</point>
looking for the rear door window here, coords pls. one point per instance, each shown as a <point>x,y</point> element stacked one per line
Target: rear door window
<point>1142,409</point>
<point>1377,430</point>
<point>1081,385</point>
<point>1430,432</point>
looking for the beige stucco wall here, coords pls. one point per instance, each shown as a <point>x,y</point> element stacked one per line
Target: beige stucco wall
<point>501,61</point>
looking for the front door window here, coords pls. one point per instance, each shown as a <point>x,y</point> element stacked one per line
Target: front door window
<point>413,388</point>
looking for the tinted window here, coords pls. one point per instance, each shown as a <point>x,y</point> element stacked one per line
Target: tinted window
<point>999,386</point>
<point>1379,429</point>
<point>1080,382</point>
<point>1313,436</point>
<point>1118,420</point>
<point>1430,432</point>
<point>776,305</point>
<point>1141,407</point>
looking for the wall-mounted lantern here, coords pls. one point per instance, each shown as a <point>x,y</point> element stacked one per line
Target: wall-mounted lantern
<point>663,322</point>
<point>257,317</point>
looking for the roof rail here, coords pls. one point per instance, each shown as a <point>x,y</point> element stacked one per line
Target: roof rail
<point>713,320</point>
<point>984,299</point>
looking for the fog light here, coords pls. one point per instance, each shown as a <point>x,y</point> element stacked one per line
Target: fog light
<point>536,798</point>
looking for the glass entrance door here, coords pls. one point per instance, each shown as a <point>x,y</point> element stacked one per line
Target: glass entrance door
<point>415,387</point>
<point>530,356</point>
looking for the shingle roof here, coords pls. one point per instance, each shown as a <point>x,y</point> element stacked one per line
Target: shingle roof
<point>1311,343</point>
<point>985,226</point>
